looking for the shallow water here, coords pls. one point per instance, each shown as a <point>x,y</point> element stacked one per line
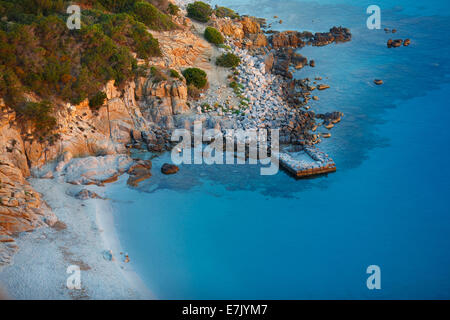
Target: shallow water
<point>221,232</point>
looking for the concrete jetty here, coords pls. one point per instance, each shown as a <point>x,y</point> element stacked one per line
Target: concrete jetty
<point>306,161</point>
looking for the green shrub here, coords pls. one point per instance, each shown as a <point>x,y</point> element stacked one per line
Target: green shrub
<point>234,85</point>
<point>174,73</point>
<point>39,113</point>
<point>149,15</point>
<point>213,35</point>
<point>222,12</point>
<point>228,60</point>
<point>173,9</point>
<point>196,77</point>
<point>199,11</point>
<point>97,100</point>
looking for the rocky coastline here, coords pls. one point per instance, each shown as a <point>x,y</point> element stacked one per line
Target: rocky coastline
<point>93,147</point>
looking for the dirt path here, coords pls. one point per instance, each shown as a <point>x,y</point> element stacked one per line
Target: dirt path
<point>217,76</point>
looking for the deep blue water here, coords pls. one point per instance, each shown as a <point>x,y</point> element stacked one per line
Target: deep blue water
<point>225,232</point>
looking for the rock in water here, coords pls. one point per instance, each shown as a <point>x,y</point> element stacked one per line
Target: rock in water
<point>322,86</point>
<point>139,172</point>
<point>169,169</point>
<point>378,82</point>
<point>87,194</point>
<point>407,42</point>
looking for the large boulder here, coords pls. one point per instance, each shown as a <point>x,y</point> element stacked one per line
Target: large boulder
<point>96,170</point>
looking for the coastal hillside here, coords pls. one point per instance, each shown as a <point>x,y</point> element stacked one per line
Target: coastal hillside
<point>135,71</point>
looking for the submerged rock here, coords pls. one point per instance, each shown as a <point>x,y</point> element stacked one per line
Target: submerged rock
<point>139,172</point>
<point>87,194</point>
<point>169,168</point>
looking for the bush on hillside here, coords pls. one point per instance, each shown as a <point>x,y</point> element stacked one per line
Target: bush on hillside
<point>126,31</point>
<point>196,77</point>
<point>213,35</point>
<point>173,9</point>
<point>149,15</point>
<point>97,100</point>
<point>199,11</point>
<point>228,60</point>
<point>174,73</point>
<point>39,113</point>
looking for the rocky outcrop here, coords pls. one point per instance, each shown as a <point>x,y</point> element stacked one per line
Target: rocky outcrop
<point>285,39</point>
<point>250,25</point>
<point>164,99</point>
<point>21,208</point>
<point>285,58</point>
<point>11,144</point>
<point>297,39</point>
<point>180,48</point>
<point>246,32</point>
<point>229,28</point>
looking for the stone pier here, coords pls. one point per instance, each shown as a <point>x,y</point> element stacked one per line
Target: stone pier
<point>308,161</point>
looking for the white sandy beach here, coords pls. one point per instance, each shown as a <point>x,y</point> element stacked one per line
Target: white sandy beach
<point>39,268</point>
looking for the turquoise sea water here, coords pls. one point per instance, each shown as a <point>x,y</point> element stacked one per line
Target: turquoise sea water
<point>225,232</point>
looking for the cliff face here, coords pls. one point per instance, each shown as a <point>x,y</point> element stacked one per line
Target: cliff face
<point>139,112</point>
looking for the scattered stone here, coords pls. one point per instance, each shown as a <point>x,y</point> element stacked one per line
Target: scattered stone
<point>407,42</point>
<point>316,98</point>
<point>312,63</point>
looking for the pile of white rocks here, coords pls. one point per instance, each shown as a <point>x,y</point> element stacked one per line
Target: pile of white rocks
<point>262,92</point>
<point>262,104</point>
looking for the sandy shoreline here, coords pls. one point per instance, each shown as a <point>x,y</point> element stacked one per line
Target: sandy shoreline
<point>39,268</point>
